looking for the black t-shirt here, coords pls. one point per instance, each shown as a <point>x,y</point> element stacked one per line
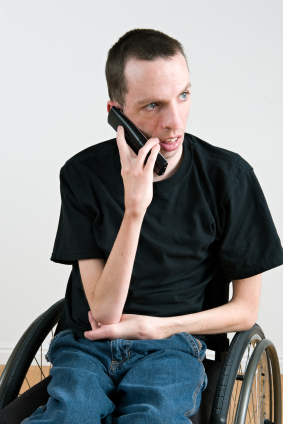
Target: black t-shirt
<point>210,213</point>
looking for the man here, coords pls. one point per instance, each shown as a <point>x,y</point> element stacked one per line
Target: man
<point>144,247</point>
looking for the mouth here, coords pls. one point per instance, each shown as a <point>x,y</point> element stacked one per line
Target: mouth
<point>171,139</point>
<point>171,144</point>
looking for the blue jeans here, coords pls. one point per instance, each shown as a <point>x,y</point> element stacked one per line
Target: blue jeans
<point>123,381</point>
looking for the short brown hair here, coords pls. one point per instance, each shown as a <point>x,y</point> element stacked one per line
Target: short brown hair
<point>140,44</point>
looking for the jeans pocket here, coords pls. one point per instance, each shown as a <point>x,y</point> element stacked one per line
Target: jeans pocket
<point>198,346</point>
<point>47,356</point>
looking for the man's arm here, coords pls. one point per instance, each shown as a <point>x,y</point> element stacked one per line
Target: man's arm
<point>106,287</point>
<point>239,314</point>
<point>106,294</point>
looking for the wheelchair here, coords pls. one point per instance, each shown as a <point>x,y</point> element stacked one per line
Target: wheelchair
<point>243,380</point>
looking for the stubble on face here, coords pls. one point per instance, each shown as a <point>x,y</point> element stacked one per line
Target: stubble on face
<point>152,81</point>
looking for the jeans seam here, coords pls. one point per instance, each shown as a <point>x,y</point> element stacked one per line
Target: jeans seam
<point>193,344</point>
<point>199,343</point>
<point>192,411</point>
<point>196,346</point>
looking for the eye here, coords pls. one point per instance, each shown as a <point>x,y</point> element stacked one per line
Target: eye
<point>149,106</point>
<point>187,94</point>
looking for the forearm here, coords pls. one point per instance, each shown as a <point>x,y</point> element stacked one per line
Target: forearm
<point>239,314</point>
<point>225,319</point>
<point>111,290</point>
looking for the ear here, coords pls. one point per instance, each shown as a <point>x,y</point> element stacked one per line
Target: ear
<point>110,104</point>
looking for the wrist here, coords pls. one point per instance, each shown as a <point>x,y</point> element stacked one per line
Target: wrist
<point>134,215</point>
<point>169,326</point>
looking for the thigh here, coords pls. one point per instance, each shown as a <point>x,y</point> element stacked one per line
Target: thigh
<point>163,387</point>
<point>80,390</point>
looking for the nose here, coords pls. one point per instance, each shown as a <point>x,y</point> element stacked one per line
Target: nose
<point>173,117</point>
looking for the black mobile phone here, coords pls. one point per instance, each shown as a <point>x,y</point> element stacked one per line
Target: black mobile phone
<point>134,137</point>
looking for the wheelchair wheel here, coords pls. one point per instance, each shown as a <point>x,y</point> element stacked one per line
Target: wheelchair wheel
<point>260,396</point>
<point>28,351</point>
<point>259,403</point>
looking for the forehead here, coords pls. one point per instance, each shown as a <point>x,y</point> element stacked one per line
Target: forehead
<point>157,78</point>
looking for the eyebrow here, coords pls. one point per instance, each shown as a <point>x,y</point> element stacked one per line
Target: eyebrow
<point>148,101</point>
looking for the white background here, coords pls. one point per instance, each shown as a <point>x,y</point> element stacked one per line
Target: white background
<point>53,105</point>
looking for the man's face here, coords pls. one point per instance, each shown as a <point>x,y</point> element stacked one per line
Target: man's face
<point>158,99</point>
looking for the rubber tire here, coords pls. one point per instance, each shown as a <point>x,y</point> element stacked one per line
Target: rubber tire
<point>22,356</point>
<point>229,371</point>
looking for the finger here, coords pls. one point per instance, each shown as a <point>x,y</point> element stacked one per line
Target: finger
<point>123,146</point>
<point>92,321</point>
<point>91,335</point>
<point>97,334</point>
<point>152,157</point>
<point>143,152</point>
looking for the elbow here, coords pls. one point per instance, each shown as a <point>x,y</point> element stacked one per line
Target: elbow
<point>249,321</point>
<point>245,314</point>
<point>107,319</point>
<point>247,325</point>
<point>108,322</point>
<point>104,315</point>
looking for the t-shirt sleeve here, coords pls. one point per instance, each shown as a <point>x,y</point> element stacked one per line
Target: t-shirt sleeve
<point>249,244</point>
<point>75,237</point>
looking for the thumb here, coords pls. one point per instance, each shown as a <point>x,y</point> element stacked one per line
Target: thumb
<point>92,321</point>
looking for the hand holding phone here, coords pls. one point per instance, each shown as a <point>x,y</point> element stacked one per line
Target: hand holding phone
<point>137,177</point>
<point>134,137</point>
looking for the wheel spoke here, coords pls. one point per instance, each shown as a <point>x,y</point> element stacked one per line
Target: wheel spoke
<point>42,373</point>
